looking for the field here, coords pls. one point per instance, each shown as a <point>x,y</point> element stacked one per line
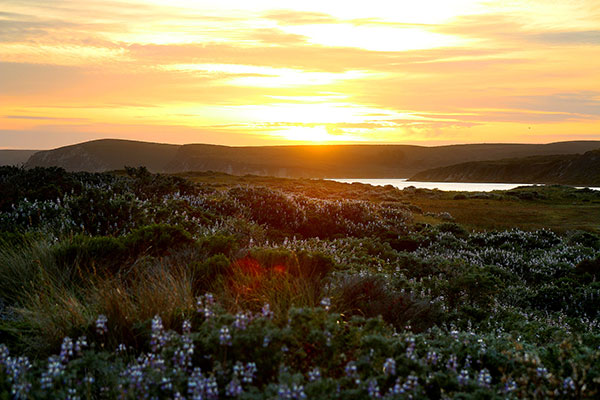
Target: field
<point>559,208</point>
<point>204,285</point>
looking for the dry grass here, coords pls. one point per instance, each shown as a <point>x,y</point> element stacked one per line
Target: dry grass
<point>245,289</point>
<point>54,311</point>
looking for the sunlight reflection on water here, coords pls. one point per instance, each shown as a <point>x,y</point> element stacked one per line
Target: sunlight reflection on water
<point>448,186</point>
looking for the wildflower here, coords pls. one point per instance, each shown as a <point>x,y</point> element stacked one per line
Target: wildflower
<point>66,349</point>
<point>328,337</point>
<point>225,336</point>
<point>452,363</point>
<point>204,305</point>
<point>296,392</point>
<point>389,367</point>
<point>249,372</point>
<point>80,344</point>
<point>101,327</point>
<point>266,341</point>
<point>54,369</point>
<point>397,389</point>
<point>266,311</point>
<point>158,337</point>
<point>510,386</point>
<point>410,349</point>
<point>201,387</point>
<point>234,388</point>
<point>351,372</point>
<point>568,384</point>
<point>314,374</point>
<point>186,326</point>
<point>241,321</point>
<point>463,378</point>
<point>432,357</point>
<point>484,379</point>
<point>326,303</point>
<point>373,389</point>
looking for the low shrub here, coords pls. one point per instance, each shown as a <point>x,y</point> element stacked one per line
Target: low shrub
<point>157,240</point>
<point>206,274</point>
<point>370,296</point>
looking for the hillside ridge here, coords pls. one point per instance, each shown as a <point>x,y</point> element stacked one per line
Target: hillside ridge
<point>566,169</point>
<point>308,161</point>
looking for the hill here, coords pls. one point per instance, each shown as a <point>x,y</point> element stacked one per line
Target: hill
<point>573,169</point>
<point>105,155</point>
<point>15,157</point>
<point>332,161</point>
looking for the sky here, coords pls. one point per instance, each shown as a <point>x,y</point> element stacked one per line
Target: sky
<point>273,72</point>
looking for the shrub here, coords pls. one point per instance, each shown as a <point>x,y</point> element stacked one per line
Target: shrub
<point>108,255</point>
<point>370,296</point>
<point>218,244</point>
<point>157,240</point>
<point>104,254</point>
<point>591,267</point>
<point>456,229</point>
<point>207,273</point>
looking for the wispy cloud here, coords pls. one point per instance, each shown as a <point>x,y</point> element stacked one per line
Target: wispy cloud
<point>238,72</point>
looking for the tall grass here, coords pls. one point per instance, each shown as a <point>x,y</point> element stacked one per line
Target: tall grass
<point>24,268</point>
<point>244,289</point>
<point>54,310</point>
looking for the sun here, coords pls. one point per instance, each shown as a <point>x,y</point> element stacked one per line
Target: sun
<point>316,134</point>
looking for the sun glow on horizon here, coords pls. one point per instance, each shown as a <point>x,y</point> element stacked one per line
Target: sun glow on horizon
<point>316,134</point>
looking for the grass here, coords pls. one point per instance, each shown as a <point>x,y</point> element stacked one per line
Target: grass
<point>507,214</point>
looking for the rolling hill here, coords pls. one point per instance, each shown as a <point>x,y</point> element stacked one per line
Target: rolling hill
<point>570,169</point>
<point>332,161</point>
<point>106,155</point>
<point>15,157</point>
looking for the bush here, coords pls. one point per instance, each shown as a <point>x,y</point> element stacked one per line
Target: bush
<point>157,240</point>
<point>207,273</point>
<point>109,255</point>
<point>453,228</point>
<point>218,244</point>
<point>370,296</point>
<point>591,267</point>
<point>104,254</point>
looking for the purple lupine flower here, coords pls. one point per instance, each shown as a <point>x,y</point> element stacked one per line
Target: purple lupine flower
<point>484,379</point>
<point>314,374</point>
<point>101,322</point>
<point>389,367</point>
<point>326,303</point>
<point>225,336</point>
<point>234,388</point>
<point>463,378</point>
<point>80,344</point>
<point>373,389</point>
<point>66,350</point>
<point>266,311</point>
<point>186,327</point>
<point>241,321</point>
<point>158,337</point>
<point>249,372</point>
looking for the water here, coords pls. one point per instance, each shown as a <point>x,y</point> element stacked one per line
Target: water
<point>449,186</point>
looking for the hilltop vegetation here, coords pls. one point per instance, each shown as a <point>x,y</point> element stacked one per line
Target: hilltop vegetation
<point>136,285</point>
<point>575,169</point>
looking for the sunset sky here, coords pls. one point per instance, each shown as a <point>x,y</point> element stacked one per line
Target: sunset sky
<point>289,72</point>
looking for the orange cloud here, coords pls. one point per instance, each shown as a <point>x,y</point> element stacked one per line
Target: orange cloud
<point>240,73</point>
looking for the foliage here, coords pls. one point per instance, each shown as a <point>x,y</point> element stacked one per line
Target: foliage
<point>104,283</point>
